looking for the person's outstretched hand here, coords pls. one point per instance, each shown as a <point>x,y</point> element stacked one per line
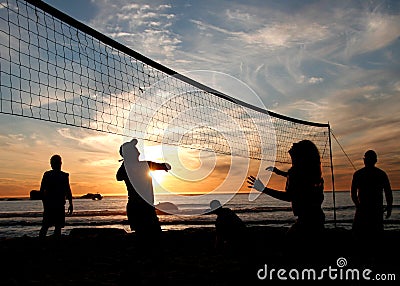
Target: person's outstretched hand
<point>70,209</point>
<point>167,167</point>
<point>255,184</point>
<point>270,168</point>
<point>276,171</point>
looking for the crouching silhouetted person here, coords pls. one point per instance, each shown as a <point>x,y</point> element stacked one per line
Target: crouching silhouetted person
<point>54,190</point>
<point>229,227</point>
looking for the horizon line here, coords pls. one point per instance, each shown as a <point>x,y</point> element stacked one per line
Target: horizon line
<point>182,194</point>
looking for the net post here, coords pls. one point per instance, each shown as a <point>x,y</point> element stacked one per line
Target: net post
<point>332,175</point>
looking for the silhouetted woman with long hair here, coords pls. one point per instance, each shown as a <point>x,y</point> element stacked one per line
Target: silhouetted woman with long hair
<point>304,188</point>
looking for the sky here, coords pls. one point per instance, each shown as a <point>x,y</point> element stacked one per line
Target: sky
<point>321,61</point>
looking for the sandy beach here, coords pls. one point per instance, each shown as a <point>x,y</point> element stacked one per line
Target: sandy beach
<point>184,257</point>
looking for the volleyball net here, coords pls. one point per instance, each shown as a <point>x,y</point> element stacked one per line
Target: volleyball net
<point>56,69</point>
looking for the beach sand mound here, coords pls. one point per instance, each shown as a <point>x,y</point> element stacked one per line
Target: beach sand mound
<point>182,257</point>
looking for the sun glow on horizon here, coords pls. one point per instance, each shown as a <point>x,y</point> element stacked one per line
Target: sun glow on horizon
<point>158,175</point>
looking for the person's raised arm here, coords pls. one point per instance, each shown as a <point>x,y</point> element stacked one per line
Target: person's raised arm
<point>280,195</point>
<point>259,186</point>
<point>277,171</point>
<point>159,166</point>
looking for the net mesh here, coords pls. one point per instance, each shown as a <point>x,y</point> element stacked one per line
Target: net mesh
<point>56,69</point>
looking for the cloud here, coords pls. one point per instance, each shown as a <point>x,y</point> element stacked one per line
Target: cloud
<point>314,80</point>
<point>237,15</point>
<point>376,31</point>
<point>91,141</point>
<point>142,27</point>
<point>286,35</point>
<point>204,26</point>
<point>362,118</point>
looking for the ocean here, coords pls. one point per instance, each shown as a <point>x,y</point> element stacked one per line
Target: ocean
<point>22,217</point>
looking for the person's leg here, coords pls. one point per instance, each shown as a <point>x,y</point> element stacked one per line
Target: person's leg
<point>58,220</point>
<point>43,231</point>
<point>131,215</point>
<point>45,224</point>
<point>57,231</point>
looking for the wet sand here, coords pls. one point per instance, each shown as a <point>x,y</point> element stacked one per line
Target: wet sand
<point>188,257</point>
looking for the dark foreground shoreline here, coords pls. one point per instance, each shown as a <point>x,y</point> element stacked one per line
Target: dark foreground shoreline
<point>187,257</point>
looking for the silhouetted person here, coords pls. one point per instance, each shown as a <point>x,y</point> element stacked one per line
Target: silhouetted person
<point>304,189</point>
<point>55,189</point>
<point>140,208</point>
<point>228,225</point>
<point>367,188</point>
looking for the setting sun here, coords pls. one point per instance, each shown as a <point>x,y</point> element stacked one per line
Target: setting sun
<point>158,175</point>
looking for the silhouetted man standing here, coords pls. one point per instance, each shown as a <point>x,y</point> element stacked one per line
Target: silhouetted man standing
<point>367,188</point>
<point>140,208</point>
<point>55,189</point>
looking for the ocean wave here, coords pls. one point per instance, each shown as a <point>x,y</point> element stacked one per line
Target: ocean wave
<point>181,211</point>
<point>180,222</point>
